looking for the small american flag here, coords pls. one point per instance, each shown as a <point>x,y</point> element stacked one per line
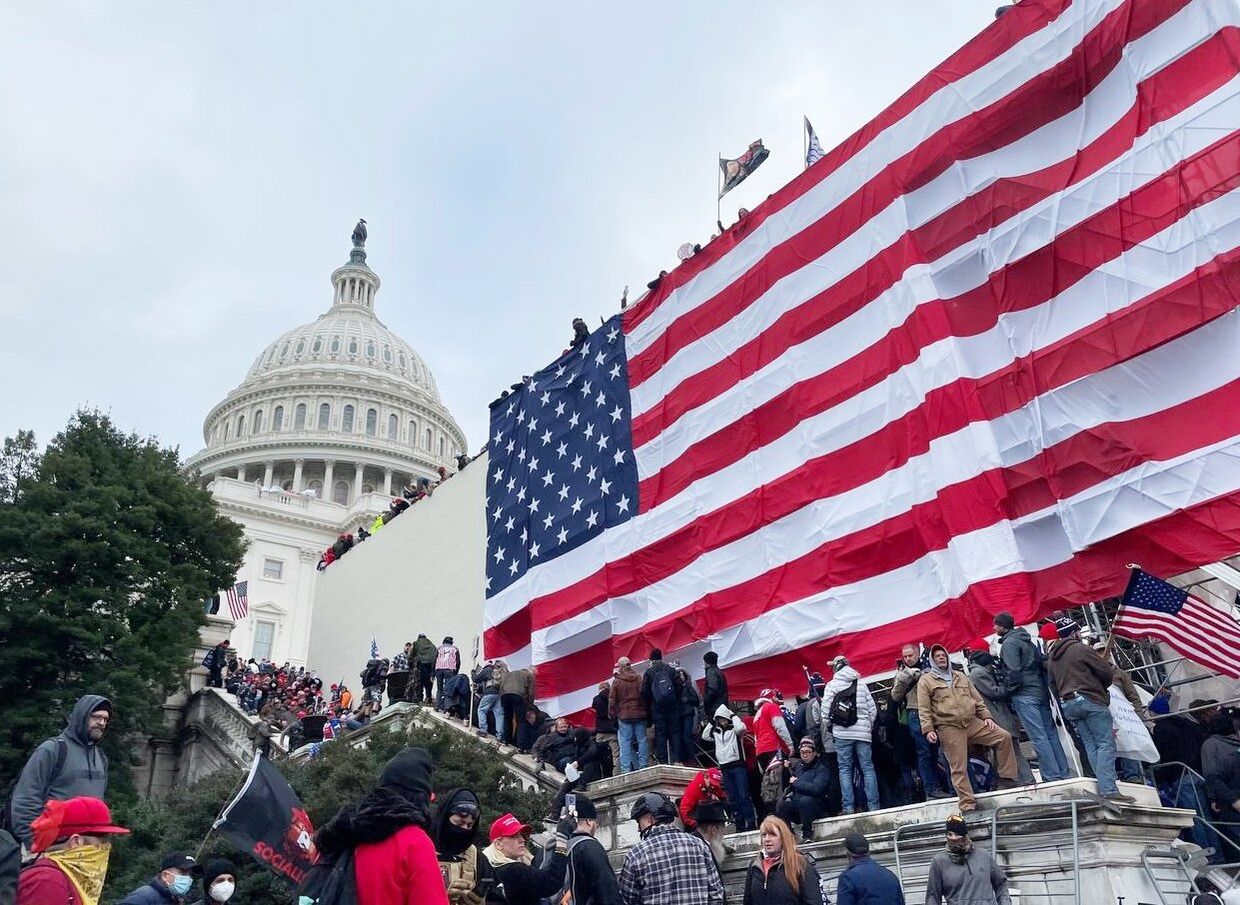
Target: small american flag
<point>813,148</point>
<point>374,648</point>
<point>238,600</point>
<point>1152,608</point>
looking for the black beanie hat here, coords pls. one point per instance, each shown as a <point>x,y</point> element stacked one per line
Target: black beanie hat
<point>409,773</point>
<point>212,869</point>
<point>656,654</point>
<point>710,657</point>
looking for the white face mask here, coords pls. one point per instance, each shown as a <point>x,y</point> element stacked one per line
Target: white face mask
<point>222,891</point>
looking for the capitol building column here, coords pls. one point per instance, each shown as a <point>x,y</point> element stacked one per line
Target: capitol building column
<point>358,475</point>
<point>297,469</point>
<point>268,472</point>
<point>329,475</point>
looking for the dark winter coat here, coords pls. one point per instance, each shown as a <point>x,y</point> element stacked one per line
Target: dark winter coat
<point>626,701</point>
<point>1023,664</point>
<point>866,882</point>
<point>1075,669</point>
<point>593,880</point>
<point>1179,739</point>
<point>773,887</point>
<point>527,885</point>
<point>657,668</point>
<point>85,769</point>
<point>716,689</point>
<point>1220,764</point>
<point>153,893</point>
<point>812,782</point>
<point>603,720</point>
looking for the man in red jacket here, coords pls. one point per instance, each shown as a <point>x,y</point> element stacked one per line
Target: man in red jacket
<point>770,729</point>
<point>73,842</point>
<point>393,855</point>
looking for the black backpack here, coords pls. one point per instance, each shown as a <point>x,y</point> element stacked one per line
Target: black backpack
<point>330,882</point>
<point>6,813</point>
<point>844,706</point>
<point>663,687</point>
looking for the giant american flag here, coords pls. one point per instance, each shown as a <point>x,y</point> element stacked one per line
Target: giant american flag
<point>975,359</point>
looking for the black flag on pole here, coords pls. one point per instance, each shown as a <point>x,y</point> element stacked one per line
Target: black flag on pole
<point>267,820</point>
<point>736,171</point>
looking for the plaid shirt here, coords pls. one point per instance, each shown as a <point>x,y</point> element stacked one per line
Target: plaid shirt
<point>670,867</point>
<point>400,663</point>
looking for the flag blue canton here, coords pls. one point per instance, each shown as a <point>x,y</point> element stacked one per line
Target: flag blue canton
<point>1149,593</point>
<point>561,458</point>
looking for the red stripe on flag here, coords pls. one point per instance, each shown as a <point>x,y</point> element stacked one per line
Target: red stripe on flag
<point>1164,95</point>
<point>1172,545</point>
<point>1019,23</point>
<point>1041,100</point>
<point>1033,280</point>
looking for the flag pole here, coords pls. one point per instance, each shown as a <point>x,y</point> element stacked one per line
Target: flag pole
<point>228,803</point>
<point>1106,649</point>
<point>719,193</point>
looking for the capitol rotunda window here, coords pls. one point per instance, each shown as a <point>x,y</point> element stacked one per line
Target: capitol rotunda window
<point>277,419</point>
<point>346,420</point>
<point>299,417</point>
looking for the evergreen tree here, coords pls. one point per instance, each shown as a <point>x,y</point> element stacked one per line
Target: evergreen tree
<point>341,774</point>
<point>107,552</point>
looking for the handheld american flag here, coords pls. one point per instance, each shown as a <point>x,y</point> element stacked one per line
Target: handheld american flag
<point>239,600</point>
<point>975,359</point>
<point>1153,608</point>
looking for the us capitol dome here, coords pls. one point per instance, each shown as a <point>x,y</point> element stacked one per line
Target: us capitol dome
<point>335,409</point>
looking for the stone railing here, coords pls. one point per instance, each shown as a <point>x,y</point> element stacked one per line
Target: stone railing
<point>215,733</point>
<point>398,717</point>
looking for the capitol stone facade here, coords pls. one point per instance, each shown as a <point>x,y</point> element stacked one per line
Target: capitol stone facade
<point>332,420</point>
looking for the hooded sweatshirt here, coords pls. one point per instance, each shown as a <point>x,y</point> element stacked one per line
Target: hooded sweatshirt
<point>626,698</point>
<point>974,879</point>
<point>863,729</point>
<point>85,770</point>
<point>459,857</point>
<point>1075,669</point>
<point>728,751</point>
<point>1220,764</point>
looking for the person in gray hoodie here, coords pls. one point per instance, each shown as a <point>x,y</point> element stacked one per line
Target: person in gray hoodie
<point>1220,763</point>
<point>965,873</point>
<point>68,766</point>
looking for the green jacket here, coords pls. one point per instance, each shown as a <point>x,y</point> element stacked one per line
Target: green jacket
<point>424,650</point>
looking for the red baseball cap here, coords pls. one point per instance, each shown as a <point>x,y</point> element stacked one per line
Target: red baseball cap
<point>508,825</point>
<point>77,816</point>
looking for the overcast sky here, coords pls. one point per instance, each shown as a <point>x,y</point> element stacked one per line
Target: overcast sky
<point>179,181</point>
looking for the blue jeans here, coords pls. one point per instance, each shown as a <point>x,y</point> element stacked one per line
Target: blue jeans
<point>1035,715</point>
<point>846,750</point>
<point>491,704</point>
<point>631,731</point>
<point>1093,724</point>
<point>927,757</point>
<point>736,784</point>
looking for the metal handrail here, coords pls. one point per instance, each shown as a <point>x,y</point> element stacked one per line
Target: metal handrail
<point>1181,861</point>
<point>1213,825</point>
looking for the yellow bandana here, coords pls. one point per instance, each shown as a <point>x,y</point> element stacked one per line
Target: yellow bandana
<point>86,867</point>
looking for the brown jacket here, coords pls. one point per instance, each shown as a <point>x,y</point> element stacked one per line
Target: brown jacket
<point>1073,668</point>
<point>941,705</point>
<point>519,681</point>
<point>625,699</point>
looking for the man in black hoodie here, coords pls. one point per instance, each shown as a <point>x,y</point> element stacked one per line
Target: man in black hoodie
<point>71,765</point>
<point>715,691</point>
<point>661,690</point>
<point>454,830</point>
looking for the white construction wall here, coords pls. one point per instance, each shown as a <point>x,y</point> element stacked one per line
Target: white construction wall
<point>424,572</point>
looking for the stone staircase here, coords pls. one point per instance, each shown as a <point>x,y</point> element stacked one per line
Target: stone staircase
<point>397,717</point>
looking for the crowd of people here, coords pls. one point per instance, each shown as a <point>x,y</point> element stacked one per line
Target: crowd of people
<point>942,729</point>
<point>413,492</point>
